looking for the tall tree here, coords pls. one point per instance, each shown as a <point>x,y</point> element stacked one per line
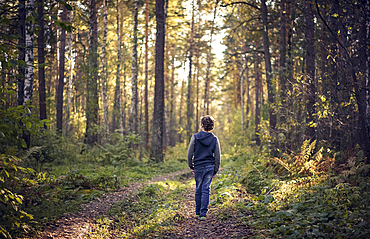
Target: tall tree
<point>266,49</point>
<point>146,109</point>
<point>117,107</point>
<point>257,92</point>
<point>92,82</point>
<point>21,49</point>
<point>156,151</point>
<point>134,73</point>
<point>41,59</point>
<point>29,75</point>
<point>282,73</point>
<point>310,68</point>
<point>61,73</point>
<point>209,50</point>
<point>189,105</point>
<point>104,63</point>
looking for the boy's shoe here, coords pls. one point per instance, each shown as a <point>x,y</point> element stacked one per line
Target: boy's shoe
<point>197,216</point>
<point>203,218</point>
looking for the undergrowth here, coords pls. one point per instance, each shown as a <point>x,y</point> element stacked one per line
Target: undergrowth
<point>303,195</point>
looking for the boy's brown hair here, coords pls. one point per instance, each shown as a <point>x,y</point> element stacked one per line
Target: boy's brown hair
<point>208,122</point>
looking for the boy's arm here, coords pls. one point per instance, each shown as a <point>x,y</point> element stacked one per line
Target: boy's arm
<point>217,157</point>
<point>191,152</point>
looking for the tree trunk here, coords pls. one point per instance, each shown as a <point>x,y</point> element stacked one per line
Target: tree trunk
<point>266,49</point>
<point>282,70</point>
<point>310,69</point>
<point>156,151</point>
<point>241,93</point>
<point>189,104</point>
<point>104,64</point>
<point>171,102</point>
<point>257,84</point>
<point>70,79</point>
<point>180,109</point>
<point>29,75</point>
<point>207,80</point>
<point>92,83</point>
<point>247,87</point>
<point>61,74</point>
<point>134,73</point>
<point>21,49</point>
<point>146,109</point>
<point>41,60</point>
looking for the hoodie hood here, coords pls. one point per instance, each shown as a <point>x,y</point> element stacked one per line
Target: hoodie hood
<point>205,138</point>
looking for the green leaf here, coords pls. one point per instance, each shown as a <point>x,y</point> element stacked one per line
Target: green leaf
<point>28,125</point>
<point>23,143</point>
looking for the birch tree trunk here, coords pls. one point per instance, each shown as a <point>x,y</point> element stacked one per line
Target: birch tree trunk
<point>134,73</point>
<point>61,74</point>
<point>156,151</point>
<point>104,64</point>
<point>29,75</point>
<point>28,72</point>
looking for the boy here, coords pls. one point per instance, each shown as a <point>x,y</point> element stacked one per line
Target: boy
<point>204,157</point>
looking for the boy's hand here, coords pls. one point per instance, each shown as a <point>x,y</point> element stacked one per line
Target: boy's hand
<point>214,175</point>
<point>192,170</point>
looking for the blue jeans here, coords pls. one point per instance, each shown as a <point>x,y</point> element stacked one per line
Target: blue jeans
<point>203,179</point>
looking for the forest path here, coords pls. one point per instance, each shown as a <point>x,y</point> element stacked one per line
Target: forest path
<point>83,223</point>
<point>77,225</point>
<point>226,226</point>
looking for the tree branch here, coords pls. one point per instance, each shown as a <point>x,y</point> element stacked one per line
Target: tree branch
<point>249,4</point>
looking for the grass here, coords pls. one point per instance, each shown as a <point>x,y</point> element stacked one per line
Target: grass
<point>150,212</point>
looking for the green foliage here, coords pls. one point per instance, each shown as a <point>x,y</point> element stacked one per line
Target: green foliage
<point>312,202</point>
<point>12,178</point>
<point>121,151</point>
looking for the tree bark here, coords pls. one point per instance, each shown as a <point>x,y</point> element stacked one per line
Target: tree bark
<point>257,90</point>
<point>189,104</point>
<point>41,60</point>
<point>29,75</point>
<point>70,78</point>
<point>21,49</point>
<point>92,83</point>
<point>310,69</point>
<point>282,70</point>
<point>146,109</point>
<point>241,93</point>
<point>104,66</point>
<point>171,102</point>
<point>61,74</point>
<point>134,73</point>
<point>156,151</point>
<point>266,49</point>
<point>208,69</point>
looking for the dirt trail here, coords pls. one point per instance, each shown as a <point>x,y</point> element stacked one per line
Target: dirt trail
<point>77,225</point>
<point>213,227</point>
